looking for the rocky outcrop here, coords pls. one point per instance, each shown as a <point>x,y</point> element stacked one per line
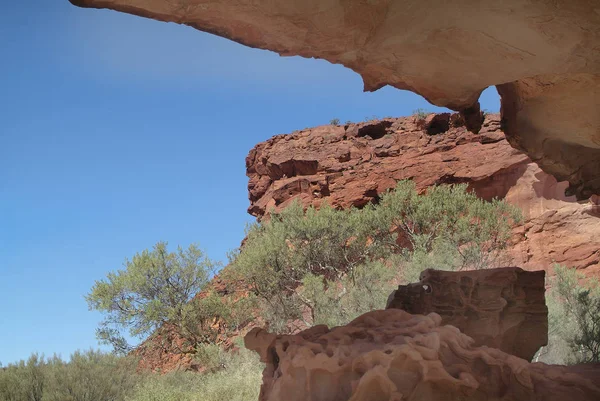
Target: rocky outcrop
<point>393,355</point>
<point>500,308</point>
<point>353,164</point>
<point>542,56</point>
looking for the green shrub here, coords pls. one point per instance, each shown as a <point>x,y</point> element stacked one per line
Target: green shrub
<point>239,380</point>
<point>573,319</point>
<point>24,380</point>
<point>335,121</point>
<point>155,289</point>
<point>88,376</point>
<point>303,265</point>
<point>97,376</point>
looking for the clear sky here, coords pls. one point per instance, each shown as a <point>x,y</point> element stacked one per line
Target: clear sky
<point>117,132</point>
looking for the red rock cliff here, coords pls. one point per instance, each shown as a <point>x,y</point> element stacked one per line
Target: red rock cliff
<point>349,165</point>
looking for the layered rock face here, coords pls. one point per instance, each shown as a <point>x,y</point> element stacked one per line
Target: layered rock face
<point>393,355</point>
<point>500,308</point>
<point>542,56</point>
<point>351,165</point>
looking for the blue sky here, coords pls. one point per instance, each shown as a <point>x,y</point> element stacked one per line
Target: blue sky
<point>117,132</point>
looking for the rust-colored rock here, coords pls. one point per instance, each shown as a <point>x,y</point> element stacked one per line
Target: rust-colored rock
<point>393,355</point>
<point>500,308</point>
<point>351,165</point>
<point>542,56</point>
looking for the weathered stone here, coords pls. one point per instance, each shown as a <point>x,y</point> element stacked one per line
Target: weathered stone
<point>354,169</point>
<point>392,355</point>
<point>542,56</point>
<point>501,308</point>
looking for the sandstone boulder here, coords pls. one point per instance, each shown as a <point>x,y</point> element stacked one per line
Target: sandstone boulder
<point>500,308</point>
<point>392,355</point>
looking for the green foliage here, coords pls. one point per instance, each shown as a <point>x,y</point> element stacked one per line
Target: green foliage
<point>212,357</point>
<point>314,266</point>
<point>97,376</point>
<point>448,227</point>
<point>23,381</point>
<point>238,380</point>
<point>89,376</point>
<point>157,288</point>
<point>337,303</point>
<point>573,319</point>
<point>335,121</point>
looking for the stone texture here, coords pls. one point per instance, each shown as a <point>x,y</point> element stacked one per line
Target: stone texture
<point>351,165</point>
<point>542,56</point>
<point>500,308</point>
<point>393,355</point>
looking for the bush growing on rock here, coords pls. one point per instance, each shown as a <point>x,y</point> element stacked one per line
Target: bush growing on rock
<point>329,266</point>
<point>157,289</point>
<point>573,318</point>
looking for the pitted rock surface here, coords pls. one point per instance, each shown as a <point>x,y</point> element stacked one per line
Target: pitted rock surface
<point>501,308</point>
<point>392,355</point>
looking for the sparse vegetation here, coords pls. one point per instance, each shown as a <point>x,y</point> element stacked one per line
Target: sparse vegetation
<point>97,376</point>
<point>334,121</point>
<point>238,380</point>
<point>574,319</point>
<point>310,266</point>
<point>300,268</point>
<point>88,376</point>
<point>420,114</point>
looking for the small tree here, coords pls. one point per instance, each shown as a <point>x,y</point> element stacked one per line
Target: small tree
<point>158,289</point>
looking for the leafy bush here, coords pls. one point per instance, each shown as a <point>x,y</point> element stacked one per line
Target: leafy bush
<point>239,380</point>
<point>97,376</point>
<point>157,289</point>
<point>335,121</point>
<point>337,303</point>
<point>88,376</point>
<point>573,319</point>
<point>306,266</point>
<point>448,227</point>
<point>23,381</point>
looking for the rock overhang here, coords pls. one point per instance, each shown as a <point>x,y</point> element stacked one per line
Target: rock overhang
<point>543,57</point>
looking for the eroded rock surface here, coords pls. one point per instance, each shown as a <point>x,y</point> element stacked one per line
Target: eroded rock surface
<point>351,165</point>
<point>393,355</point>
<point>500,308</point>
<point>543,56</point>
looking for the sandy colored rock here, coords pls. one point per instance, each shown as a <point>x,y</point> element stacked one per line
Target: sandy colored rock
<point>352,165</point>
<point>393,355</point>
<point>501,308</point>
<point>542,56</point>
